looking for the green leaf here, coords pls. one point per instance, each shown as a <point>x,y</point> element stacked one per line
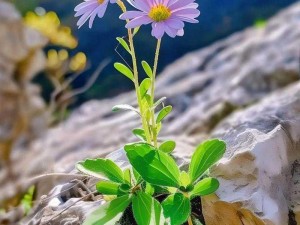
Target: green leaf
<point>184,179</point>
<point>137,176</point>
<point>101,168</point>
<point>149,189</point>
<point>139,133</point>
<point>108,188</point>
<point>147,210</point>
<point>125,188</point>
<point>124,44</point>
<point>177,207</point>
<point>167,146</point>
<point>136,30</point>
<point>144,87</point>
<point>148,99</point>
<point>205,187</point>
<point>125,107</point>
<point>124,70</point>
<point>27,200</point>
<point>163,113</point>
<point>206,154</point>
<point>159,101</point>
<point>127,176</point>
<point>155,167</point>
<point>146,103</point>
<point>147,69</point>
<point>158,127</point>
<point>109,213</point>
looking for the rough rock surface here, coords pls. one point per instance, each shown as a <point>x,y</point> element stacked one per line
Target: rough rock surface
<point>260,169</point>
<point>243,89</point>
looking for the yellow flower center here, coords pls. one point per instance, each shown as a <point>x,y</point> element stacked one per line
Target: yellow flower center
<point>159,13</point>
<point>100,1</point>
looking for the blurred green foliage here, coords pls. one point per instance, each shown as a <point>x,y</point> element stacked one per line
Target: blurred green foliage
<point>27,200</point>
<point>26,5</point>
<point>260,23</point>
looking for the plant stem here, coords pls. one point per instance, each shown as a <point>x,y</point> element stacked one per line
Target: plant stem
<point>190,222</point>
<point>154,128</point>
<point>136,78</point>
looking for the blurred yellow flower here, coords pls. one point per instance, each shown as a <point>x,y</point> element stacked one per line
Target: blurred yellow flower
<point>49,25</point>
<point>56,59</point>
<point>78,62</point>
<point>59,63</point>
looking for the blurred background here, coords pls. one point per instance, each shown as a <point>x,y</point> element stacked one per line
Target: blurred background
<point>219,18</point>
<point>234,75</point>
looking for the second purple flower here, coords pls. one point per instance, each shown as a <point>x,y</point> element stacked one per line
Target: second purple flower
<point>166,16</point>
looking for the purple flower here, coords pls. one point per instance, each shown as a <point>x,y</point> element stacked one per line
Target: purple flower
<point>89,9</point>
<point>166,16</point>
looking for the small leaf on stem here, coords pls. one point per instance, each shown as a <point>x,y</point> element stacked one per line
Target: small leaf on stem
<point>147,210</point>
<point>167,146</point>
<point>140,133</point>
<point>101,168</point>
<point>155,167</point>
<point>205,187</point>
<point>109,213</point>
<point>147,69</point>
<point>163,113</point>
<point>124,44</point>
<point>177,207</point>
<point>125,107</point>
<point>124,70</point>
<point>144,87</point>
<point>206,154</point>
<point>108,188</point>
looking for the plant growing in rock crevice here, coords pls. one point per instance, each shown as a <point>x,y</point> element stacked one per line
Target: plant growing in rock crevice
<point>153,172</point>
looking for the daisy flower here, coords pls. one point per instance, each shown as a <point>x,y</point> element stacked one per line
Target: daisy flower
<point>89,9</point>
<point>166,16</point>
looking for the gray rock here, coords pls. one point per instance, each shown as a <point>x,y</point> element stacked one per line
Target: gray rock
<point>260,169</point>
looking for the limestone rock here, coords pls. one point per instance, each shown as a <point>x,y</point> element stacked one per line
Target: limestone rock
<point>260,168</point>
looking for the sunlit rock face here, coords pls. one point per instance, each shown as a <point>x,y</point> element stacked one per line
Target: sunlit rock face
<point>261,168</point>
<point>244,89</point>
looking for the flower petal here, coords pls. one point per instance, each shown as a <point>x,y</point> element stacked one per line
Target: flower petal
<point>158,30</point>
<point>92,17</point>
<point>138,21</point>
<point>131,15</point>
<point>171,31</point>
<point>102,10</point>
<point>180,32</point>
<point>85,4</point>
<point>175,23</point>
<point>179,4</point>
<point>83,19</point>
<point>88,8</point>
<point>187,18</point>
<point>191,13</point>
<point>141,5</point>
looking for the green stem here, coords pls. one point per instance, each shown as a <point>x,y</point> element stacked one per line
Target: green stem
<point>154,127</point>
<point>136,84</point>
<point>136,78</point>
<point>190,222</point>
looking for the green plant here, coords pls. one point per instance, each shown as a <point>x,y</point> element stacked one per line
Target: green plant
<point>154,189</point>
<point>154,172</point>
